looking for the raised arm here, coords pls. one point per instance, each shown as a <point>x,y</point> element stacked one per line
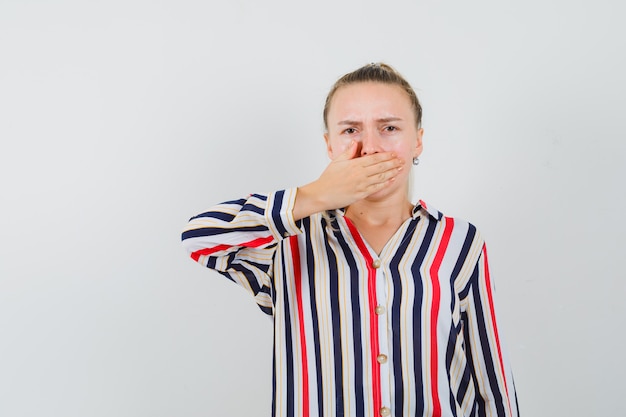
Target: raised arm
<point>238,239</point>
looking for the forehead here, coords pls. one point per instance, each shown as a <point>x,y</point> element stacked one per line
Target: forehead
<point>370,98</point>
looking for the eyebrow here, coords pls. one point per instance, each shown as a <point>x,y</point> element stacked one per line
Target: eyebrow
<point>382,120</point>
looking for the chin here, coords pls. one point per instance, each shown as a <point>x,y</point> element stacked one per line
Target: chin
<point>387,193</point>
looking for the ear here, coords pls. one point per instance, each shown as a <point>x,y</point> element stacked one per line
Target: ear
<point>418,145</point>
<point>329,150</point>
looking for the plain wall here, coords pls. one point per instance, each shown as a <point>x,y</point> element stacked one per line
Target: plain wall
<point>121,119</point>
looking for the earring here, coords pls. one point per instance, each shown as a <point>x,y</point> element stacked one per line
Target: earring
<point>416,161</point>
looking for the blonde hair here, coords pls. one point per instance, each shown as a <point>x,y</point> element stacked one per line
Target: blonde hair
<point>377,73</point>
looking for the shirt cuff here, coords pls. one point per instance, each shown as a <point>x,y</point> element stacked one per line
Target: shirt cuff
<point>279,213</point>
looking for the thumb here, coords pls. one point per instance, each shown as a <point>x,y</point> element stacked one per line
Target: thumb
<point>349,153</point>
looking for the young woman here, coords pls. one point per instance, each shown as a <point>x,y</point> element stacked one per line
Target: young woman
<point>381,307</point>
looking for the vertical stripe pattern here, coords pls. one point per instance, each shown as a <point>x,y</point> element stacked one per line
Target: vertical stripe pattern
<point>410,331</point>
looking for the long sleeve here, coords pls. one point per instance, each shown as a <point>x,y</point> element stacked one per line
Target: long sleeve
<point>238,239</point>
<point>495,390</point>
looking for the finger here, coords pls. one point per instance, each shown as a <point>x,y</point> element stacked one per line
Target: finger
<point>383,176</point>
<point>349,153</point>
<point>374,182</point>
<point>392,166</point>
<point>376,158</point>
<point>376,186</point>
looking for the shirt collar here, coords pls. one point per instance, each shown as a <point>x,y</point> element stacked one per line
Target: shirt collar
<point>421,206</point>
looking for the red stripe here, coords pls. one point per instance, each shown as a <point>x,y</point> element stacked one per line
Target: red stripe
<point>434,312</point>
<point>251,244</point>
<point>495,326</point>
<point>371,292</point>
<point>295,253</point>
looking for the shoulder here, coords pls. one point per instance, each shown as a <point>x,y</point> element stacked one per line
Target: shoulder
<point>457,226</point>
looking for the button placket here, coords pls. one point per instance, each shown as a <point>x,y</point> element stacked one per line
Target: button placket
<point>382,358</point>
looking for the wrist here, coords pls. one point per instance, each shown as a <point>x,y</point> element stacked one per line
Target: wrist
<point>308,202</point>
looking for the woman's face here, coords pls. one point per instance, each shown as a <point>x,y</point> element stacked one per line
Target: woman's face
<point>379,117</point>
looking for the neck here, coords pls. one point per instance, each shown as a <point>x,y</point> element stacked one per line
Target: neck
<point>379,213</point>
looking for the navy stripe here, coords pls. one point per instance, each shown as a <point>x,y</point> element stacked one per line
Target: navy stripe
<point>466,380</point>
<point>356,318</point>
<point>337,340</point>
<point>251,278</point>
<point>310,264</point>
<point>227,275</point>
<point>259,197</point>
<point>467,244</point>
<point>266,310</point>
<point>276,212</point>
<point>452,338</point>
<point>479,402</point>
<point>253,208</point>
<point>215,231</point>
<point>261,267</point>
<point>211,262</point>
<point>396,327</point>
<point>220,215</point>
<point>515,395</point>
<point>417,315</point>
<point>456,329</point>
<point>471,234</point>
<point>482,331</point>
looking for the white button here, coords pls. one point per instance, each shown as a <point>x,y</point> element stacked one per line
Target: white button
<point>385,411</point>
<point>379,310</point>
<point>376,263</point>
<point>381,358</point>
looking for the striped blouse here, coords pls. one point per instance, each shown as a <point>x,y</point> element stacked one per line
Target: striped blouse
<point>409,332</point>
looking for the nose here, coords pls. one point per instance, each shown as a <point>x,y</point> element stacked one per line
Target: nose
<point>370,143</point>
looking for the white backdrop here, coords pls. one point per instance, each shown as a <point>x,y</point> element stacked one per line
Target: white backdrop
<point>121,119</point>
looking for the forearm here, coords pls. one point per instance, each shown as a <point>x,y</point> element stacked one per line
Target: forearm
<point>255,222</point>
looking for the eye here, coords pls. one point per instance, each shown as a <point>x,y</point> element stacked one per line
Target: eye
<point>349,130</point>
<point>390,128</point>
